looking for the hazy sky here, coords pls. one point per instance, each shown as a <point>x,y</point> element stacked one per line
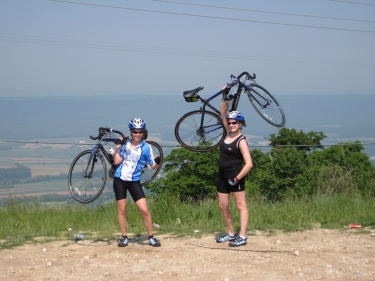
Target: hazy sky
<point>113,47</point>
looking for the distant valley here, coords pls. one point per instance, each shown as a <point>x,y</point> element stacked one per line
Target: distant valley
<point>342,118</point>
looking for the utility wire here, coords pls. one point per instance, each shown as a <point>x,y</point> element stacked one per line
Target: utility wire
<point>352,2</point>
<point>215,17</point>
<point>263,146</point>
<point>167,50</point>
<point>262,11</point>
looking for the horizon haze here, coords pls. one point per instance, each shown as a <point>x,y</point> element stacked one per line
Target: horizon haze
<point>160,47</point>
<point>343,119</point>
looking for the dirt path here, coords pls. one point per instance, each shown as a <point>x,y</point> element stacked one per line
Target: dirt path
<point>310,255</point>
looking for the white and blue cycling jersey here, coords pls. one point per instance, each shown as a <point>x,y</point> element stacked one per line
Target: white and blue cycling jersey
<point>134,160</point>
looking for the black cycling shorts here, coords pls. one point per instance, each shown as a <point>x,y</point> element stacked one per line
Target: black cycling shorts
<point>121,187</point>
<point>224,187</point>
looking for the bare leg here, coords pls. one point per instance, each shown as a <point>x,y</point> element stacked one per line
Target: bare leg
<point>240,200</point>
<point>147,220</point>
<point>224,208</point>
<point>121,216</point>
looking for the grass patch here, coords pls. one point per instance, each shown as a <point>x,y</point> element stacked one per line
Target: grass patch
<point>36,222</point>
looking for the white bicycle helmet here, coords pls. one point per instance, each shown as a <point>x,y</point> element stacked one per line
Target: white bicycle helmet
<point>236,115</point>
<point>137,123</point>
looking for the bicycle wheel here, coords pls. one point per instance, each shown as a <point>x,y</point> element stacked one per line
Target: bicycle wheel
<point>192,136</point>
<point>266,105</point>
<point>148,174</point>
<point>87,180</point>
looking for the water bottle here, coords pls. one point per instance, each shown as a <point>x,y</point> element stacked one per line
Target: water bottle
<point>78,236</point>
<point>111,151</point>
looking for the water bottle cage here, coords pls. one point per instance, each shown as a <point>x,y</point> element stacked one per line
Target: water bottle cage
<point>227,97</point>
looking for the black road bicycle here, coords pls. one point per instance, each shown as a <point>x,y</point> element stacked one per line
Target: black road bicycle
<point>202,130</point>
<point>88,172</point>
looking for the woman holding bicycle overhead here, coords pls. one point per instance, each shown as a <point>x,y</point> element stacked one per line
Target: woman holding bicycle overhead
<point>130,158</point>
<point>233,152</point>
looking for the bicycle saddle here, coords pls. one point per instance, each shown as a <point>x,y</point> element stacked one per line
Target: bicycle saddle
<point>192,93</point>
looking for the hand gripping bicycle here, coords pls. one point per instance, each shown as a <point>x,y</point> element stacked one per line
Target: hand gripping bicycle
<point>88,172</point>
<point>202,130</point>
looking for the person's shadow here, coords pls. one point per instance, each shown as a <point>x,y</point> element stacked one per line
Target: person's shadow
<point>140,240</point>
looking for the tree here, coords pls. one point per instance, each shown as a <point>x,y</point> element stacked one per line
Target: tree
<point>10,176</point>
<point>303,141</point>
<point>189,175</point>
<point>260,168</point>
<point>285,175</point>
<point>15,173</point>
<point>354,165</point>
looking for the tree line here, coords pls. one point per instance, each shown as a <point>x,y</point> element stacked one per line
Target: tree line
<point>10,176</point>
<point>22,174</point>
<point>298,165</point>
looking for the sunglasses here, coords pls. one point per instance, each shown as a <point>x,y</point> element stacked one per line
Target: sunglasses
<point>233,123</point>
<point>137,132</point>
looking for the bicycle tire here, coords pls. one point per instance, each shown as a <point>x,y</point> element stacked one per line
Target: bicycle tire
<point>266,105</point>
<point>148,174</point>
<point>190,136</point>
<point>86,189</point>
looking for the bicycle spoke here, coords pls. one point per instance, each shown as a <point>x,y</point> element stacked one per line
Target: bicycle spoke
<point>190,135</point>
<point>266,105</point>
<point>87,181</point>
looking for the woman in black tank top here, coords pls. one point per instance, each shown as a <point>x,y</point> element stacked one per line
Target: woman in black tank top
<point>234,163</point>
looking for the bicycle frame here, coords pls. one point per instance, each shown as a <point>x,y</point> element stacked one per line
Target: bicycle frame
<point>236,98</point>
<point>99,146</point>
<point>248,90</point>
<point>206,102</point>
<point>203,130</point>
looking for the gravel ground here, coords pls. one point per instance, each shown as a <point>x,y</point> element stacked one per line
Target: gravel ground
<point>347,254</point>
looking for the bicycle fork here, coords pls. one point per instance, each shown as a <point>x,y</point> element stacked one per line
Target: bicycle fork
<point>266,103</point>
<point>90,166</point>
<point>87,173</point>
<point>91,163</point>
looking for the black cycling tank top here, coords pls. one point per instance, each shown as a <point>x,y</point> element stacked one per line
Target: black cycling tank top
<point>230,154</point>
